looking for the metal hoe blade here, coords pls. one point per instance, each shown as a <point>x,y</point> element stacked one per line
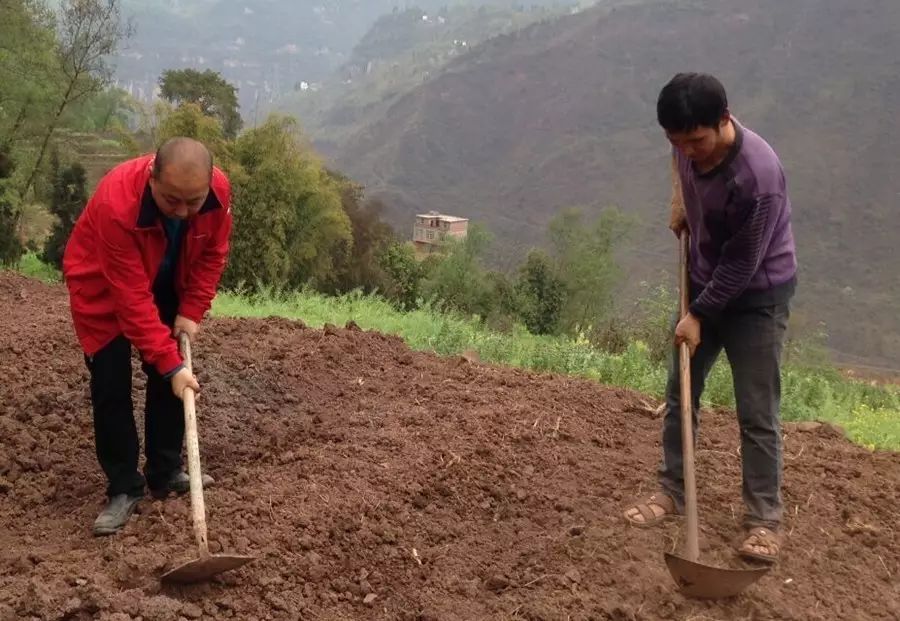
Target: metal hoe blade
<point>201,569</point>
<point>705,582</point>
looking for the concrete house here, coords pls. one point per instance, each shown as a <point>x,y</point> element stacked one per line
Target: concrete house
<point>431,229</point>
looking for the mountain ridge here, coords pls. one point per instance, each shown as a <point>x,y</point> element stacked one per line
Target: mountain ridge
<point>563,113</point>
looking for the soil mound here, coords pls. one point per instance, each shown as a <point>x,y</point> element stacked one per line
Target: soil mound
<point>374,482</point>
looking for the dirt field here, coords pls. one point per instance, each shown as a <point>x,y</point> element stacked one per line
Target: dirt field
<point>373,482</point>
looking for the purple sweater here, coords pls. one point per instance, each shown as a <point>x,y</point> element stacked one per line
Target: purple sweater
<point>739,215</point>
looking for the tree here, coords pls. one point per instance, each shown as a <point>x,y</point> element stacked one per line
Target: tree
<point>540,293</point>
<point>110,109</point>
<point>583,253</point>
<point>189,121</point>
<point>10,246</point>
<point>404,274</point>
<point>289,225</point>
<point>209,90</point>
<point>68,200</point>
<point>89,31</point>
<point>459,280</point>
<point>28,68</point>
<point>358,266</point>
<point>29,83</point>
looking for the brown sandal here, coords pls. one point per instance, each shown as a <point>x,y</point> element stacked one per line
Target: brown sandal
<point>648,515</point>
<point>763,538</point>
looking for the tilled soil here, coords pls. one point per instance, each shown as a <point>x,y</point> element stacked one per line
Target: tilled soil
<point>374,482</point>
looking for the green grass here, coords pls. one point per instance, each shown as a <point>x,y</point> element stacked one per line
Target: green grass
<point>869,414</point>
<point>31,265</point>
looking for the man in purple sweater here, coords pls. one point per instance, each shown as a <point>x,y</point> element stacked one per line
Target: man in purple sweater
<point>729,191</point>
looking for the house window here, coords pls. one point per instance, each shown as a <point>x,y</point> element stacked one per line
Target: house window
<point>430,234</point>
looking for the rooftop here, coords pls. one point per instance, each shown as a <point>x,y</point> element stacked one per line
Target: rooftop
<point>440,216</point>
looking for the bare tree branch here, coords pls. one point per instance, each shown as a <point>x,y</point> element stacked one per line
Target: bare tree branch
<point>89,32</point>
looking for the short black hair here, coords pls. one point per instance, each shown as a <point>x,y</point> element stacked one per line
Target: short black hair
<point>180,148</point>
<point>691,100</point>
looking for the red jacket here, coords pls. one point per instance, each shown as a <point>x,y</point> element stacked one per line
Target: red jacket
<point>114,255</point>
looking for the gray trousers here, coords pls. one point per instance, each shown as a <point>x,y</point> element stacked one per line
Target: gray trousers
<point>753,340</point>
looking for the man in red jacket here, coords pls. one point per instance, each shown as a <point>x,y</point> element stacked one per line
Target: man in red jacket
<point>142,266</point>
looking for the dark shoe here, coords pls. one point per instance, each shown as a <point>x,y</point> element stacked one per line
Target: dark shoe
<point>180,483</point>
<point>115,515</point>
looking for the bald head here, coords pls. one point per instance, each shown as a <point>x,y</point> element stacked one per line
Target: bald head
<point>182,172</point>
<point>185,154</point>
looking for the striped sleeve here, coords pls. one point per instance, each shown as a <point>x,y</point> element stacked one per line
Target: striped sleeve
<point>741,256</point>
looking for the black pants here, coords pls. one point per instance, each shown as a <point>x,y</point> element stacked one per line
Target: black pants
<point>114,428</point>
<point>753,340</point>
